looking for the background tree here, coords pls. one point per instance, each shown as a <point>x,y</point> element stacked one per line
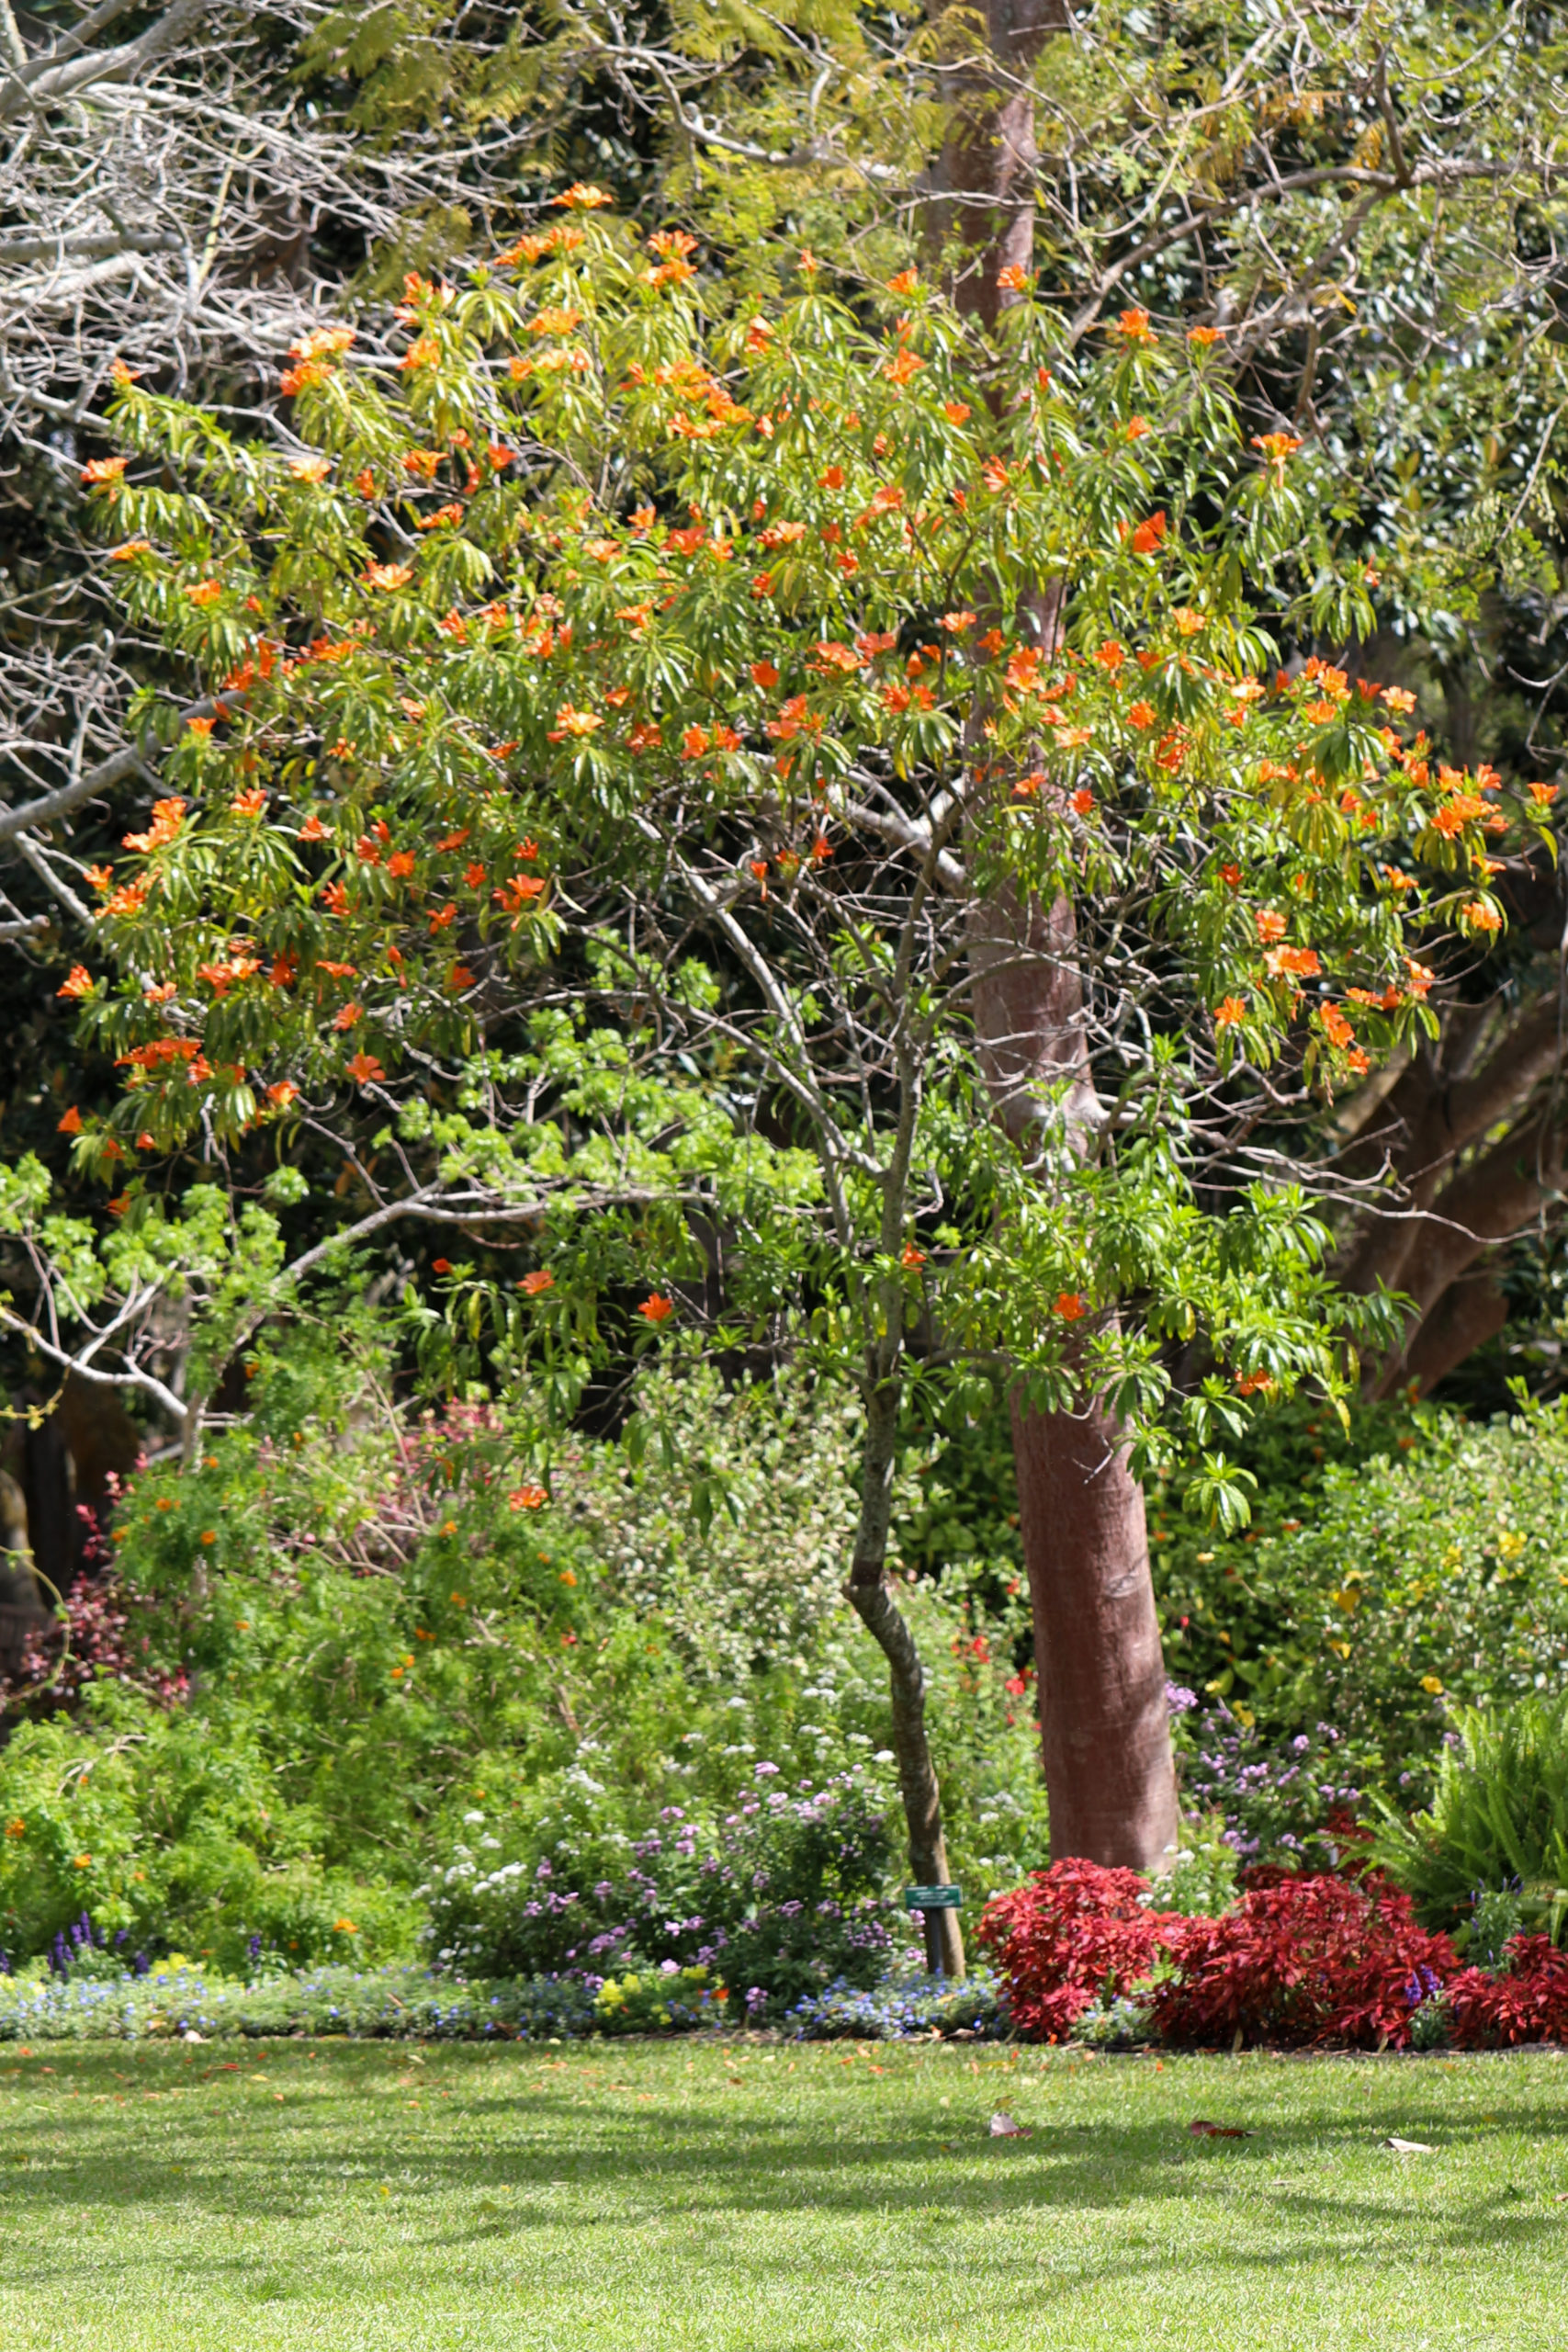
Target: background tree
<point>1359,209</point>
<point>676,977</point>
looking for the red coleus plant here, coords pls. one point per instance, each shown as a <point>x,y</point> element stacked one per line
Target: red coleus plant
<point>1308,1960</point>
<point>1073,1934</point>
<point>1304,1960</point>
<point>1527,2002</point>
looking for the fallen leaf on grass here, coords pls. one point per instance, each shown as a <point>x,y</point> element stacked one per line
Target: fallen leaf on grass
<point>1201,2130</point>
<point>1410,2147</point>
<point>1004,2128</point>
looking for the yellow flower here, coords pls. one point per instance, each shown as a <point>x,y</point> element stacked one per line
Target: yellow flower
<point>1433,1683</point>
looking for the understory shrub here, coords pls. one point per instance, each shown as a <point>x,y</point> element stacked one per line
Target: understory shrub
<point>779,1897</point>
<point>1525,2000</point>
<point>1303,1959</point>
<point>165,1826</point>
<point>1498,1824</point>
<point>1383,1593</point>
<point>1288,1799</point>
<point>1074,1934</point>
<point>343,1626</point>
<point>1309,1959</point>
<point>664,2000</point>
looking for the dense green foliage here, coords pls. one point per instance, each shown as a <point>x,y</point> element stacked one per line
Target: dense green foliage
<point>1390,1585</point>
<point>380,1640</point>
<point>1497,1822</point>
<point>385,1627</point>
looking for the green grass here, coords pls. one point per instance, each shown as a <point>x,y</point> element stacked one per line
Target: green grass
<point>757,2199</point>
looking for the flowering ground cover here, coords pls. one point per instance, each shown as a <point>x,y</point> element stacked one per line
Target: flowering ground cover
<point>749,2195</point>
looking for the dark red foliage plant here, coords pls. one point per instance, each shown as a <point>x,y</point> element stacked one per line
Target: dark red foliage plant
<point>1316,1959</point>
<point>1300,1959</point>
<point>1070,1936</point>
<point>1528,2001</point>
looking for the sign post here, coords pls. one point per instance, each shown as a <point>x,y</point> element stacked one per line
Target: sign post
<point>928,1901</point>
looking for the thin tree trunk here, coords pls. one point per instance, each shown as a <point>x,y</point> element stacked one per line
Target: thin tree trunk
<point>879,1612</point>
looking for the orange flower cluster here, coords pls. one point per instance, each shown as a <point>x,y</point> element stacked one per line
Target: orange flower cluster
<point>168,817</point>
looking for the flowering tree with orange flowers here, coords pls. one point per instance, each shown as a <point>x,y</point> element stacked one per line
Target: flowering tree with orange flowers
<point>632,766</point>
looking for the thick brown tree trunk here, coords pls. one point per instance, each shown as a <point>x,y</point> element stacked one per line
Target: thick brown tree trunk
<point>1104,1725</point>
<point>1105,1731</point>
<point>1455,1198</point>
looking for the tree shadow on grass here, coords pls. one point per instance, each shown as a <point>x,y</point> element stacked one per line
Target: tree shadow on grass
<point>707,2159</point>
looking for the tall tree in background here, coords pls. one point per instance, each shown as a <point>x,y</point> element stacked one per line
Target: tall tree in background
<point>1356,206</point>
<point>1295,166</point>
<point>602,769</point>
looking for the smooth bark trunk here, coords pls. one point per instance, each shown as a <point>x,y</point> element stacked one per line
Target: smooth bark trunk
<point>1104,1723</point>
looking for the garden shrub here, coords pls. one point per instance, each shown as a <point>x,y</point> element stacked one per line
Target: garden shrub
<point>1199,1880</point>
<point>164,1826</point>
<point>1074,1935</point>
<point>669,1999</point>
<point>1497,1823</point>
<point>339,1631</point>
<point>1281,1800</point>
<point>1525,2000</point>
<point>1303,1959</point>
<point>1316,1959</point>
<point>1384,1591</point>
<point>780,1897</point>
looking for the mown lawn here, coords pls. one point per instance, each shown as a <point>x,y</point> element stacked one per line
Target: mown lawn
<point>754,2198</point>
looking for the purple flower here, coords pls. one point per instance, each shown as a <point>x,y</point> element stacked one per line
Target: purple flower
<point>1177,1698</point>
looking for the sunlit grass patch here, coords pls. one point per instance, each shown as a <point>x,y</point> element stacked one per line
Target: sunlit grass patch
<point>759,2197</point>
